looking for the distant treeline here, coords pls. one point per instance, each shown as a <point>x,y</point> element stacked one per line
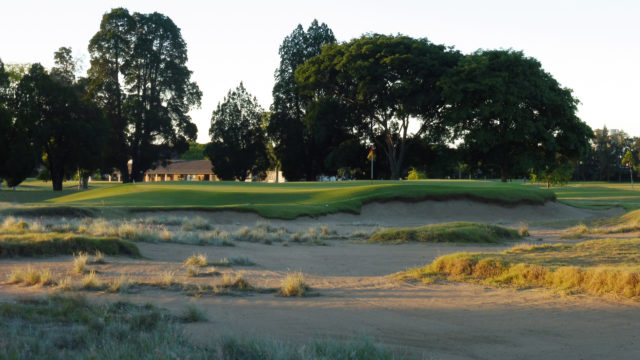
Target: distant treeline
<point>425,108</point>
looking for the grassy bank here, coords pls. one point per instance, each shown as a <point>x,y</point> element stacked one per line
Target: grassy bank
<point>628,222</point>
<point>288,200</point>
<point>594,267</point>
<point>463,232</point>
<point>48,244</point>
<point>599,195</point>
<point>126,331</point>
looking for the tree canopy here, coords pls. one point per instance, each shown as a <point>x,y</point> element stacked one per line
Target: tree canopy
<point>237,140</point>
<point>385,81</point>
<point>61,125</point>
<point>512,115</point>
<point>140,78</point>
<point>295,146</point>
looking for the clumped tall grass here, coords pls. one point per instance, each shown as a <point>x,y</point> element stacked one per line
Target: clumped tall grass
<point>91,281</point>
<point>13,225</point>
<point>197,260</point>
<point>98,258</point>
<point>121,284</point>
<point>195,224</point>
<point>593,267</point>
<point>80,262</point>
<point>237,283</point>
<point>294,284</point>
<point>192,271</point>
<point>167,278</point>
<point>31,276</point>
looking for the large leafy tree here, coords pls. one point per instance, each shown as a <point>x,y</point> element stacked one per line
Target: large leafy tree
<point>237,138</point>
<point>512,115</point>
<point>110,47</point>
<point>300,154</point>
<point>17,154</point>
<point>385,81</point>
<point>139,76</point>
<point>60,124</point>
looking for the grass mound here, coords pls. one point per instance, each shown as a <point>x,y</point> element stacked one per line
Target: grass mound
<point>594,267</point>
<point>448,232</point>
<point>45,244</point>
<point>628,222</point>
<point>291,200</point>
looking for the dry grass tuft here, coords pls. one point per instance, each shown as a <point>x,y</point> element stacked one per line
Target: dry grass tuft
<point>98,258</point>
<point>193,271</point>
<point>167,278</point>
<point>80,261</point>
<point>593,267</point>
<point>294,284</point>
<point>31,276</point>
<point>120,284</point>
<point>16,276</point>
<point>66,284</point>
<point>196,260</point>
<point>91,281</point>
<point>239,283</point>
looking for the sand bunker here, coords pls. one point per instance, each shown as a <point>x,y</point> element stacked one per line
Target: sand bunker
<point>356,297</point>
<point>404,214</point>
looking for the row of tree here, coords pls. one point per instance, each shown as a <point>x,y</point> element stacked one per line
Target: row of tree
<point>612,156</point>
<point>411,99</point>
<point>133,104</point>
<point>492,113</point>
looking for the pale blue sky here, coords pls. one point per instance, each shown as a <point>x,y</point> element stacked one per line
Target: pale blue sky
<point>591,47</point>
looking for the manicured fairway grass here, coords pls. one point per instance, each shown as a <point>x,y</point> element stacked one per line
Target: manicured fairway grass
<point>290,200</point>
<point>599,195</point>
<point>463,232</point>
<point>597,267</point>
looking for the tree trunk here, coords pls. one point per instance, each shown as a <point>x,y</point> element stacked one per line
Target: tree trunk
<point>57,177</point>
<point>124,173</point>
<point>503,175</point>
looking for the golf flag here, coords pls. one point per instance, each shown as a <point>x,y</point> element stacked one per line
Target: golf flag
<point>372,155</point>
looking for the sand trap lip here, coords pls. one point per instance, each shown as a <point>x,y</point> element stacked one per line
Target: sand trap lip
<point>404,214</point>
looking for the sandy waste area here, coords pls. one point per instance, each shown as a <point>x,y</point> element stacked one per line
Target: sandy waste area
<point>355,296</point>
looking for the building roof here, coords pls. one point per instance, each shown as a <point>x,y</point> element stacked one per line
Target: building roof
<point>188,167</point>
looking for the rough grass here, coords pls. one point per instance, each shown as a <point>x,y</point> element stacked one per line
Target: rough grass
<point>593,267</point>
<point>199,260</point>
<point>629,222</point>
<point>294,284</point>
<point>291,200</point>
<point>46,244</point>
<point>80,262</point>
<point>60,327</point>
<point>448,232</point>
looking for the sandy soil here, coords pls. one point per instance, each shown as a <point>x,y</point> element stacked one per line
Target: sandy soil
<point>401,214</point>
<point>357,297</point>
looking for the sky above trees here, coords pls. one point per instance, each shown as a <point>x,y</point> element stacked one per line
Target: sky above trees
<point>588,46</point>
